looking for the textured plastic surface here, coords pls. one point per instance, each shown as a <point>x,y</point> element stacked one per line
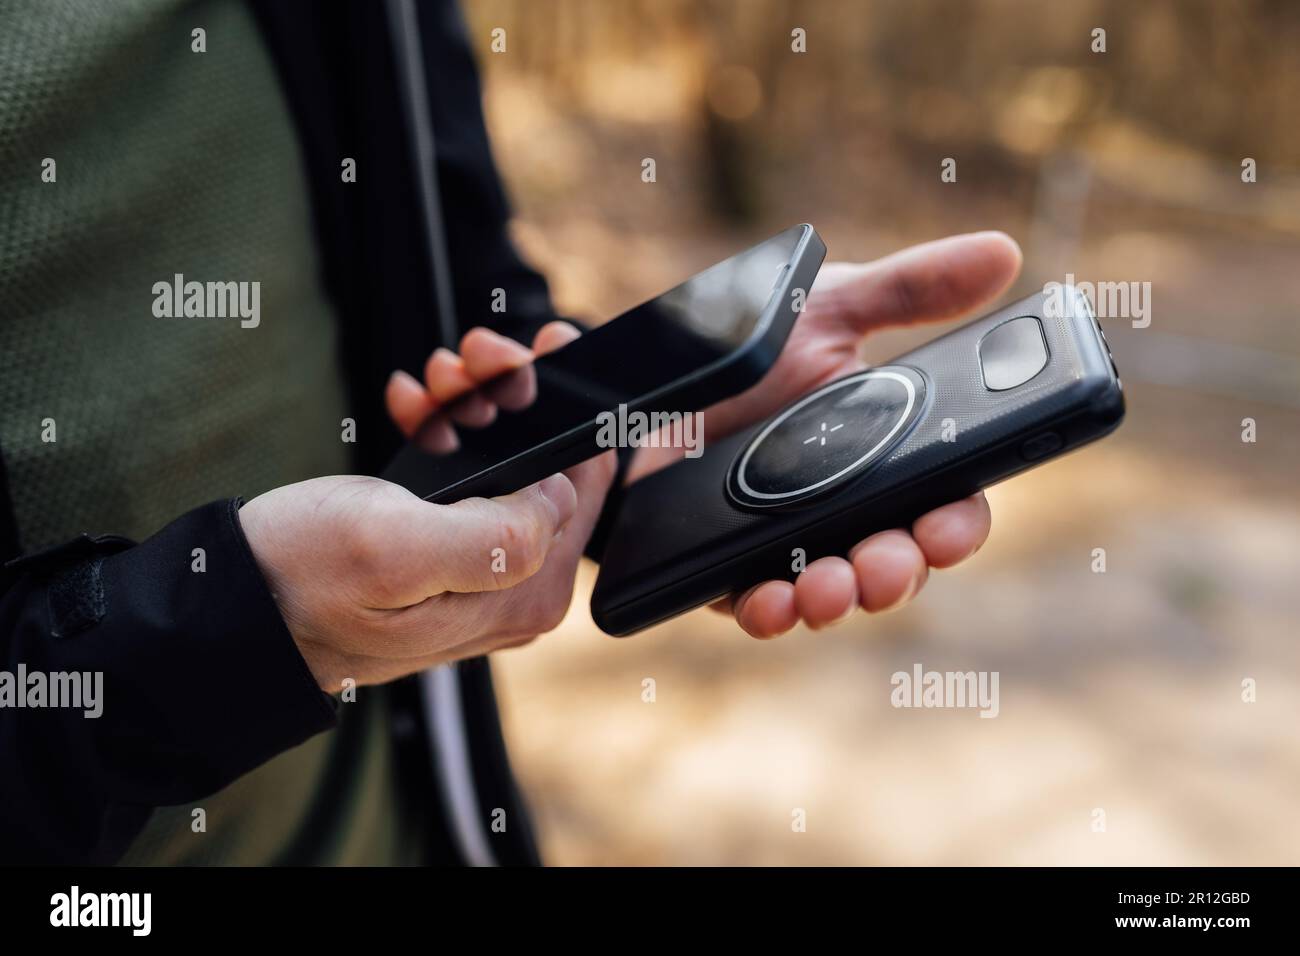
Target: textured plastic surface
<point>679,541</point>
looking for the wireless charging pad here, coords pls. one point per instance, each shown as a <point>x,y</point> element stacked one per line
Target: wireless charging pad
<point>827,438</point>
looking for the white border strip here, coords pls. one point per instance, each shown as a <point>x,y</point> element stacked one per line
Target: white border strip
<point>440,693</point>
<point>405,29</point>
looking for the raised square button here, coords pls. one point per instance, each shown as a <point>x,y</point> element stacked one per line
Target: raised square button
<point>1012,353</point>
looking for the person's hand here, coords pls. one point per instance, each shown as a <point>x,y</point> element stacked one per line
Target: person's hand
<point>934,282</point>
<point>448,376</point>
<point>375,583</point>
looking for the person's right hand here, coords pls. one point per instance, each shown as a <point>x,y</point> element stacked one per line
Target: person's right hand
<point>375,583</point>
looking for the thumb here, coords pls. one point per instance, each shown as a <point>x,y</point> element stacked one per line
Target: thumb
<point>933,282</point>
<point>486,544</point>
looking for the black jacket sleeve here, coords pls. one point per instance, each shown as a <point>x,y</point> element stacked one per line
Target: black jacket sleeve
<point>199,681</point>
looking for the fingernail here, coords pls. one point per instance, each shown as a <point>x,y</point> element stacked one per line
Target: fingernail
<point>558,490</point>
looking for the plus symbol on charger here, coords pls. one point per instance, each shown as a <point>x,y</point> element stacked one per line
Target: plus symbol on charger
<point>824,432</point>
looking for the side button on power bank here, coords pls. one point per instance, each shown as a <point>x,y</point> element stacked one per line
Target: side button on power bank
<point>1042,445</point>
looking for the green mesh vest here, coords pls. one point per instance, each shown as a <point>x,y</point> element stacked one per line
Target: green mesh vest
<point>168,161</point>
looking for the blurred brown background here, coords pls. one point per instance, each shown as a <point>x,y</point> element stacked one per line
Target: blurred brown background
<point>1120,691</point>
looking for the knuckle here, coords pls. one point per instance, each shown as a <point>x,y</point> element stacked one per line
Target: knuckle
<point>523,540</point>
<point>366,545</point>
<point>905,293</point>
<point>372,540</point>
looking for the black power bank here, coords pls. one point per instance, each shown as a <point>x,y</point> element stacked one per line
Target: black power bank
<point>872,451</point>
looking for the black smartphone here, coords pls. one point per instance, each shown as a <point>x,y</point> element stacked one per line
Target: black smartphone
<point>707,339</point>
<point>871,451</point>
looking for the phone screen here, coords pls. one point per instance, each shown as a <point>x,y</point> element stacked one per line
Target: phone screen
<point>634,359</point>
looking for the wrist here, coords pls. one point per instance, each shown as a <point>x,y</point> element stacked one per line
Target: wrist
<point>321,661</point>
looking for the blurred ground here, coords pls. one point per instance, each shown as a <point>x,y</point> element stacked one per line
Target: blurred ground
<point>1120,691</point>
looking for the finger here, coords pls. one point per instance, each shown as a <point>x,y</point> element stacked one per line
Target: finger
<point>931,282</point>
<point>446,377</point>
<point>554,335</point>
<point>487,354</point>
<point>890,569</point>
<point>539,604</point>
<point>953,533</point>
<point>472,411</point>
<point>453,378</point>
<point>436,436</point>
<point>768,610</point>
<point>514,391</point>
<point>407,402</point>
<point>592,479</point>
<point>826,592</point>
<point>416,550</point>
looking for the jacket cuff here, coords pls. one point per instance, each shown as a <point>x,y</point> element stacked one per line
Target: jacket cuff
<point>205,663</point>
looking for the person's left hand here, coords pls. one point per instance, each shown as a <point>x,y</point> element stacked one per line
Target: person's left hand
<point>933,282</point>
